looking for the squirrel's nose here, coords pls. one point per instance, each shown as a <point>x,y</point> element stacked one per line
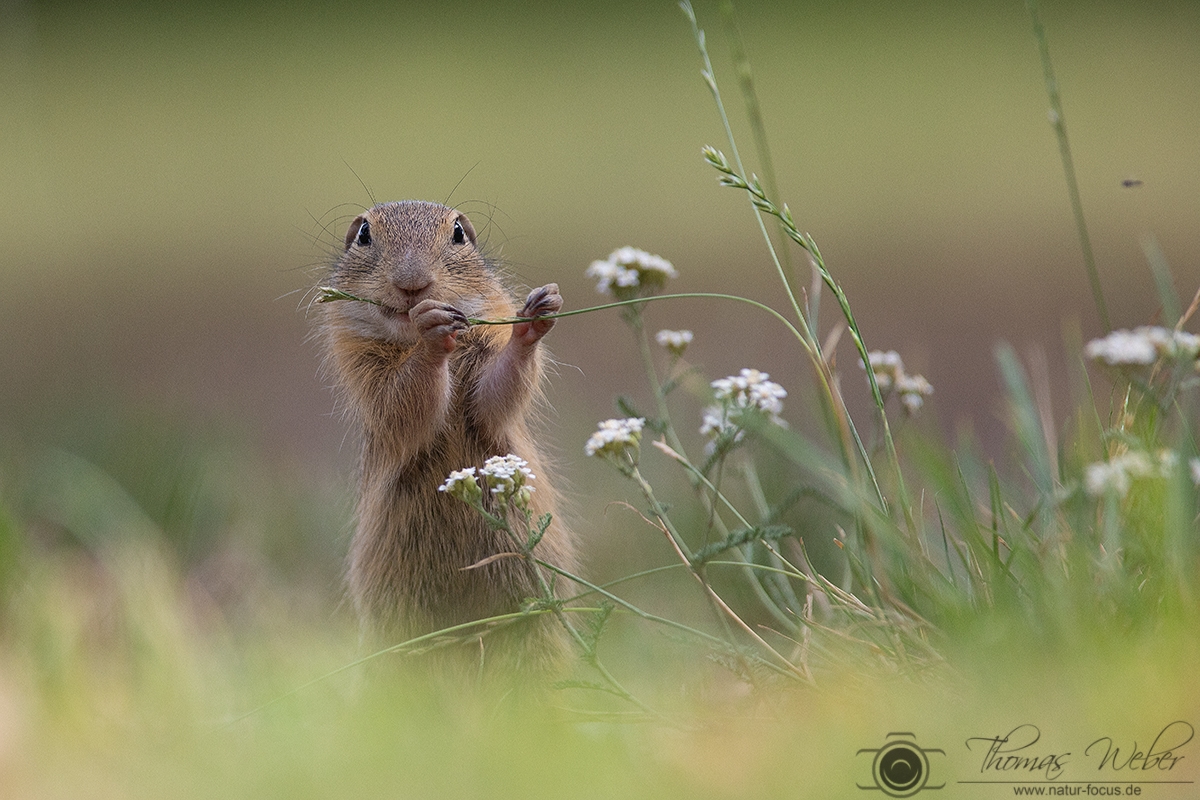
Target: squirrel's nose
<point>411,279</point>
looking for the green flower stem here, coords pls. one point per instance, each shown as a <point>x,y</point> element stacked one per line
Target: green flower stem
<point>700,477</point>
<point>700,482</point>
<point>329,295</point>
<point>762,568</point>
<point>768,602</point>
<point>660,512</point>
<point>750,475</point>
<point>680,546</point>
<point>660,398</point>
<point>721,606</point>
<point>649,299</point>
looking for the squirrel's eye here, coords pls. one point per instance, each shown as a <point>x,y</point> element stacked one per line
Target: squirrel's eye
<point>463,231</point>
<point>359,232</point>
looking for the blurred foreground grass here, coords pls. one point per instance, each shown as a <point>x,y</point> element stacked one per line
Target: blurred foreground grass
<point>119,678</point>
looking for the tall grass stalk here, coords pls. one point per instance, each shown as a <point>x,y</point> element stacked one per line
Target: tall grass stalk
<point>758,128</point>
<point>1059,123</point>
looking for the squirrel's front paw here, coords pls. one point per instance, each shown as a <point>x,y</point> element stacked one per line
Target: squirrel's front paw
<point>438,324</point>
<point>541,301</point>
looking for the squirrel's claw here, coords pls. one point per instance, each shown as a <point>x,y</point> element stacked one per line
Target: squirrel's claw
<point>541,301</point>
<point>438,323</point>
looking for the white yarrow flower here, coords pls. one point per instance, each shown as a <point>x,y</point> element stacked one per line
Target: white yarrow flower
<point>748,392</point>
<point>615,437</point>
<point>750,389</point>
<point>1118,473</point>
<point>715,424</point>
<point>913,389</point>
<point>675,341</point>
<point>1121,348</point>
<point>609,275</point>
<point>1104,477</point>
<point>461,484</point>
<point>887,366</point>
<point>507,477</point>
<point>628,270</point>
<point>645,263</point>
<point>1142,346</point>
<point>888,369</point>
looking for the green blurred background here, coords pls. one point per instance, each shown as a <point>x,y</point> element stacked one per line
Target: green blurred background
<point>175,177</point>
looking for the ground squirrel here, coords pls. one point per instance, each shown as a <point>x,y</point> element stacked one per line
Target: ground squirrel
<point>430,394</point>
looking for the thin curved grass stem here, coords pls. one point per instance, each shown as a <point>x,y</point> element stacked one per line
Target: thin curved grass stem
<point>623,579</point>
<point>723,609</point>
<point>670,623</point>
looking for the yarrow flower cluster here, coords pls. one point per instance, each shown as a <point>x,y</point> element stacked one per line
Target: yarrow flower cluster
<point>890,375</point>
<point>913,389</point>
<point>747,392</point>
<point>675,341</point>
<point>1118,473</point>
<point>505,477</point>
<point>462,485</point>
<point>716,424</point>
<point>615,438</point>
<point>751,389</point>
<point>886,366</point>
<point>629,272</point>
<point>1143,346</point>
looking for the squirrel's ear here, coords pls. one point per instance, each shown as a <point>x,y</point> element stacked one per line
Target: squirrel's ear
<point>359,232</point>
<point>463,230</point>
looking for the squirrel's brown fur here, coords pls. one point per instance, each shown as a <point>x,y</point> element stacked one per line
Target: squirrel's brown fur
<point>432,394</point>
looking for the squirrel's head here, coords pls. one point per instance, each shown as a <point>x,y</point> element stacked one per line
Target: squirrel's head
<point>398,254</point>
